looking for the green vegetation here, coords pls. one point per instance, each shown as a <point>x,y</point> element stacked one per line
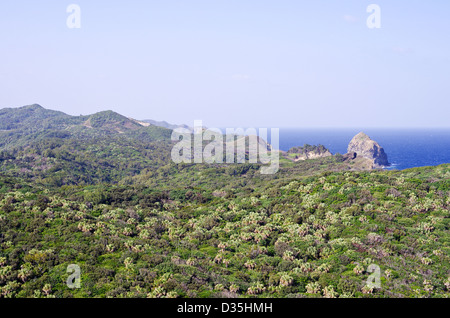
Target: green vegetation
<point>320,149</point>
<point>111,201</point>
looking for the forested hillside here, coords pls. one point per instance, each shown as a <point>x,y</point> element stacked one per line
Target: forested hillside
<point>101,192</point>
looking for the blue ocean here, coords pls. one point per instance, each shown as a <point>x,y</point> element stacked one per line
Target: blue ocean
<point>405,148</point>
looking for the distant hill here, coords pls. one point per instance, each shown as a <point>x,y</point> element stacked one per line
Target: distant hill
<point>24,125</point>
<point>35,117</point>
<point>165,124</point>
<point>50,145</point>
<point>112,121</point>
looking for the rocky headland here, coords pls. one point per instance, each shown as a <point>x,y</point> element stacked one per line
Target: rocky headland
<point>309,152</point>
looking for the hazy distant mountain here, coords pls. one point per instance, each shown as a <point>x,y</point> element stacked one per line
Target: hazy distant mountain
<point>165,124</point>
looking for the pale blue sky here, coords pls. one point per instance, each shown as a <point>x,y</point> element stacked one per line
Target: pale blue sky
<point>259,63</point>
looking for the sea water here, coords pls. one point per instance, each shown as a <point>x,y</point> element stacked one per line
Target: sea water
<point>405,148</point>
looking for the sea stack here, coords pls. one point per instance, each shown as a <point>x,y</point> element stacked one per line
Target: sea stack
<point>365,147</point>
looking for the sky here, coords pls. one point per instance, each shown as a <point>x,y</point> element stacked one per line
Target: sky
<point>232,63</point>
